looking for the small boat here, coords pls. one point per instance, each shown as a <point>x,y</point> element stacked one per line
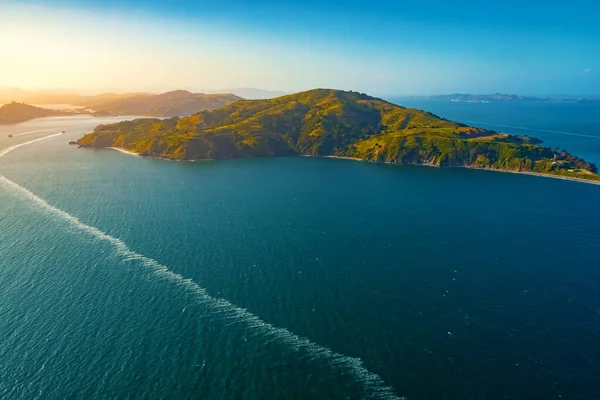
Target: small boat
<point>9,135</point>
<point>62,131</point>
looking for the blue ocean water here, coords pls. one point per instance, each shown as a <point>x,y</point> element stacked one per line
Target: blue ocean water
<point>571,126</point>
<point>290,278</point>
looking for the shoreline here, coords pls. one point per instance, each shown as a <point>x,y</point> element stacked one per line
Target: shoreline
<point>564,178</point>
<point>539,174</point>
<point>131,153</point>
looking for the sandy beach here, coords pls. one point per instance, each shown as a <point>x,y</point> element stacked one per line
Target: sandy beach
<point>124,151</point>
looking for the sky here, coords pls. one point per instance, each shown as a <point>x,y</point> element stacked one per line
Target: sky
<point>380,47</point>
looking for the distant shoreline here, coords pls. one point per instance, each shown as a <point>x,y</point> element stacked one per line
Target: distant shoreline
<point>502,98</point>
<point>565,178</point>
<point>133,153</point>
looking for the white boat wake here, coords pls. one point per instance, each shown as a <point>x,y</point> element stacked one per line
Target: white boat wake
<point>371,384</point>
<point>16,146</point>
<point>31,132</point>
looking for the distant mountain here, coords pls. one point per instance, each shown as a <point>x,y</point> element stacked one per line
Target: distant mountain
<point>14,113</point>
<point>95,101</point>
<point>499,97</point>
<point>169,104</point>
<point>252,93</point>
<point>8,95</point>
<point>324,122</point>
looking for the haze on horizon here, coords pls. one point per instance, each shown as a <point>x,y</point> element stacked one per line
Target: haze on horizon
<point>380,47</point>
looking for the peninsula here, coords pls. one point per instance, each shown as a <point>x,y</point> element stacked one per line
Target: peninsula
<point>14,113</point>
<point>324,122</point>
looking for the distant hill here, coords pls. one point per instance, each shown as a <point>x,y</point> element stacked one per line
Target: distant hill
<point>97,101</point>
<point>325,122</point>
<point>8,95</point>
<point>253,93</point>
<point>169,104</point>
<point>14,113</point>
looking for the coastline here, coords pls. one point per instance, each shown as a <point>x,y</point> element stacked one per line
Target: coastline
<point>565,178</point>
<point>132,153</point>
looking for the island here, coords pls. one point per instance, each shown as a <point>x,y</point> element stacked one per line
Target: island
<point>500,97</point>
<point>335,123</point>
<point>14,113</point>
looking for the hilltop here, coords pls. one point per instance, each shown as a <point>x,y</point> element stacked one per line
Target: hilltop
<point>324,122</point>
<point>13,113</point>
<point>252,93</point>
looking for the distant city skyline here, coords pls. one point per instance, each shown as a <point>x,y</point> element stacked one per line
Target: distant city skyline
<point>381,48</point>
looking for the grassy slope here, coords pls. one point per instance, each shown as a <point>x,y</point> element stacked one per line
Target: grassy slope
<point>325,122</point>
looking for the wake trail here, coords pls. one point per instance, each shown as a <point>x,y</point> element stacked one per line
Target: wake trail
<point>7,150</point>
<point>30,132</point>
<point>533,129</point>
<point>371,384</point>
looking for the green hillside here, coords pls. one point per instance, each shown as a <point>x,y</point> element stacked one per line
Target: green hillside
<point>325,122</point>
